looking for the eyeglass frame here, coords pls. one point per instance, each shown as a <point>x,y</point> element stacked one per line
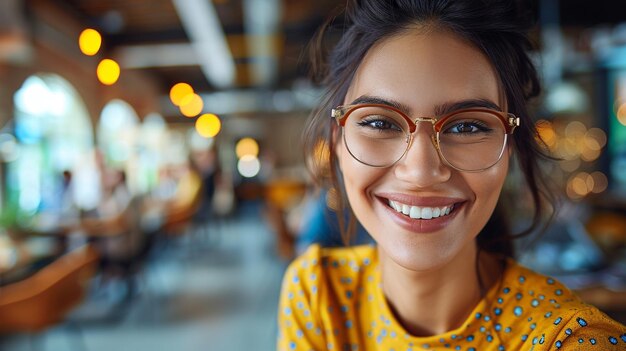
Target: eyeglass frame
<point>341,113</point>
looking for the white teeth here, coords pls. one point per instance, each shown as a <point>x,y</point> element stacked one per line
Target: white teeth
<point>423,212</point>
<point>427,213</point>
<point>436,212</point>
<point>406,209</point>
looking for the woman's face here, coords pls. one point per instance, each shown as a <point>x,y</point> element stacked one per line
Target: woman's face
<point>423,72</point>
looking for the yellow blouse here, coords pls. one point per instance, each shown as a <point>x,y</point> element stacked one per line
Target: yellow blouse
<point>331,300</point>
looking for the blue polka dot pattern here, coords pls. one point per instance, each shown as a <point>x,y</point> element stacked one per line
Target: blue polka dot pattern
<point>331,299</point>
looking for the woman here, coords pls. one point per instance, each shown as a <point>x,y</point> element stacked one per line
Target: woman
<point>428,102</point>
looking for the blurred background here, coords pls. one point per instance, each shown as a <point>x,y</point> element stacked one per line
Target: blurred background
<point>153,187</point>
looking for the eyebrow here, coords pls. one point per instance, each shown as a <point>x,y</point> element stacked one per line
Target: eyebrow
<point>440,109</point>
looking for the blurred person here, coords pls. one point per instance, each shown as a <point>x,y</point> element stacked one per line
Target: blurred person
<point>64,213</point>
<point>114,222</point>
<point>108,217</point>
<point>188,187</point>
<point>205,162</point>
<point>318,224</point>
<point>114,229</point>
<point>426,107</point>
<point>175,200</point>
<point>166,185</point>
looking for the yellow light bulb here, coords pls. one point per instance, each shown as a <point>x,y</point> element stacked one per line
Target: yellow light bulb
<point>89,41</point>
<point>179,91</point>
<point>108,72</point>
<point>247,146</point>
<point>191,105</point>
<point>208,125</point>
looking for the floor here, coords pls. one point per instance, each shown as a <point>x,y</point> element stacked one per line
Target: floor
<point>199,294</point>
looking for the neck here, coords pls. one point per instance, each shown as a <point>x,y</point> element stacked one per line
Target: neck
<point>439,300</point>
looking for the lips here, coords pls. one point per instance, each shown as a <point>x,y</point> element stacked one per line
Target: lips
<point>421,214</point>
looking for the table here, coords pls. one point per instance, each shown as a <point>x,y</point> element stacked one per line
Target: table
<point>18,255</point>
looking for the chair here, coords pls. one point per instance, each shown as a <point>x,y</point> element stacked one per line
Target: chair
<point>44,299</point>
<point>282,196</point>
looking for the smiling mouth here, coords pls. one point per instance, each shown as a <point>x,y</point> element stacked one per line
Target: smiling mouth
<point>421,212</point>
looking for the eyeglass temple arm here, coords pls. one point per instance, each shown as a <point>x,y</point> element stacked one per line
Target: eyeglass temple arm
<point>513,121</point>
<point>337,114</point>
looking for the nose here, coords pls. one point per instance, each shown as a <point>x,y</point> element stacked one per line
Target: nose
<point>422,166</point>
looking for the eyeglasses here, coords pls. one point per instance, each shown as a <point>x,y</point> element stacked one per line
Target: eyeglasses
<point>470,140</point>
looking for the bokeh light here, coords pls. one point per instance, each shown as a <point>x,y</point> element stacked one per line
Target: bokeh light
<point>589,155</point>
<point>621,114</point>
<point>568,148</point>
<point>546,132</point>
<point>570,165</point>
<point>179,91</point>
<point>600,181</point>
<point>249,166</point>
<point>575,129</point>
<point>208,125</point>
<point>598,135</point>
<point>580,185</point>
<point>247,146</point>
<point>90,42</point>
<point>573,142</point>
<point>191,105</point>
<point>108,72</point>
<point>319,160</point>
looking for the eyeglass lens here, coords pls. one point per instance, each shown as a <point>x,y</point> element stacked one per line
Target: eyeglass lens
<point>468,140</point>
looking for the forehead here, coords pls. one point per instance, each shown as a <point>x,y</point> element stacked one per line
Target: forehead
<point>424,69</point>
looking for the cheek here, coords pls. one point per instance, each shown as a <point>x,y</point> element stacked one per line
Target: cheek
<point>486,187</point>
<point>358,179</point>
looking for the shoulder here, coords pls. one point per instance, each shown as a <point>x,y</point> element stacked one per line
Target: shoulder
<point>524,282</point>
<point>539,294</point>
<point>547,312</point>
<point>580,327</point>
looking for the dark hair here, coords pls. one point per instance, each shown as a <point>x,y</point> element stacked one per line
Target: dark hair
<point>498,28</point>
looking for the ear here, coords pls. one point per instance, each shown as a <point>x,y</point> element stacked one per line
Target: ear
<point>510,147</point>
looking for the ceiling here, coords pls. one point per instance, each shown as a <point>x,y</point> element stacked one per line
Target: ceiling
<point>267,39</point>
<point>151,35</point>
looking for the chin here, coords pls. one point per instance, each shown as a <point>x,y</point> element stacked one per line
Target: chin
<point>418,257</point>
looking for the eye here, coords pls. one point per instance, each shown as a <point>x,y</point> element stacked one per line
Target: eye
<point>467,127</point>
<point>379,123</point>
